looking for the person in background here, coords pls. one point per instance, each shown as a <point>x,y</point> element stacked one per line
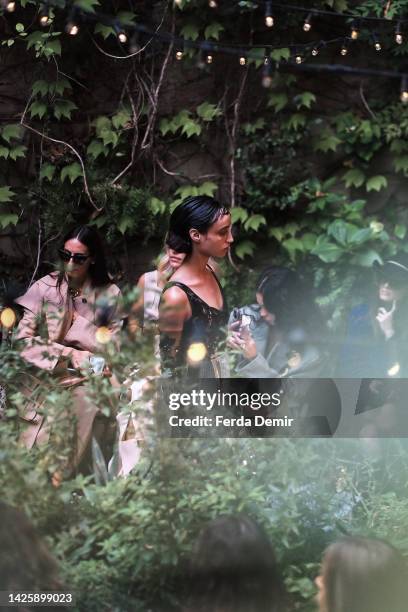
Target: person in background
<point>284,334</point>
<point>362,575</point>
<point>63,315</point>
<point>376,342</point>
<point>233,569</point>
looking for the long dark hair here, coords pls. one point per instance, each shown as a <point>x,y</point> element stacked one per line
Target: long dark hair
<point>98,271</point>
<point>291,300</point>
<point>233,569</point>
<point>195,212</point>
<point>364,575</point>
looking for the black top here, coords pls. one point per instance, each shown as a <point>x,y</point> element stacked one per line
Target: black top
<point>204,326</point>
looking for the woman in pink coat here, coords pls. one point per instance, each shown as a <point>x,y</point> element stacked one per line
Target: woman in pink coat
<point>62,312</point>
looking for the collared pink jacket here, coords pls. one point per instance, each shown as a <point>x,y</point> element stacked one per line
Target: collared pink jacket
<point>45,306</point>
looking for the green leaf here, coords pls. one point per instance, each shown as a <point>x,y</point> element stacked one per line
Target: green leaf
<point>19,27</point>
<point>354,178</point>
<point>126,18</point>
<point>63,108</point>
<point>296,121</point>
<point>207,111</point>
<point>186,190</point>
<point>6,195</point>
<point>375,183</point>
<point>121,119</point>
<point>361,235</point>
<point>158,207</point>
<point>338,230</point>
<point>213,31</point>
<point>305,99</point>
<point>190,31</point>
<point>308,241</point>
<point>238,214</point>
<point>53,47</point>
<point>277,233</point>
<point>400,231</point>
<point>327,251</point>
<point>4,152</point>
<point>87,5</point>
<point>72,172</point>
<point>401,164</point>
<point>278,101</point>
<point>191,128</point>
<point>244,248</point>
<point>125,223</point>
<point>104,30</point>
<point>34,38</point>
<point>40,87</point>
<point>38,108</point>
<point>166,126</point>
<point>251,128</point>
<point>11,131</point>
<point>109,137</point>
<point>47,172</point>
<point>366,259</point>
<point>292,245</point>
<point>17,152</point>
<point>326,142</point>
<point>280,54</point>
<point>8,219</point>
<point>208,188</point>
<point>101,123</point>
<point>60,86</point>
<point>254,222</point>
<point>96,148</point>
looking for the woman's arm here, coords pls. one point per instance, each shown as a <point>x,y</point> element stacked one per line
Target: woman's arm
<point>173,311</point>
<point>135,319</point>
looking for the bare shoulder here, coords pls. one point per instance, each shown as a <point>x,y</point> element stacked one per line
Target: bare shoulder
<point>174,296</point>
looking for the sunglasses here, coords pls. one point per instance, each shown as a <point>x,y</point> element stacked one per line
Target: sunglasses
<point>77,258</point>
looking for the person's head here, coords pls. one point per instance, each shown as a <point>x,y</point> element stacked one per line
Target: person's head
<point>362,575</point>
<point>25,562</point>
<point>83,256</point>
<point>200,223</point>
<point>392,279</point>
<point>282,296</point>
<point>233,569</point>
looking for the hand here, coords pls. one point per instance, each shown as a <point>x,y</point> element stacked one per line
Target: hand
<point>385,320</point>
<point>241,341</point>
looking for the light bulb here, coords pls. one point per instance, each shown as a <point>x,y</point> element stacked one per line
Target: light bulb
<point>242,61</point>
<point>299,59</point>
<point>344,50</point>
<point>377,46</point>
<point>11,7</point>
<point>196,352</point>
<point>398,39</point>
<point>44,20</point>
<point>404,96</point>
<point>179,55</point>
<point>72,29</point>
<point>122,37</point>
<point>354,33</point>
<point>315,51</point>
<point>209,59</point>
<point>212,4</point>
<point>269,21</point>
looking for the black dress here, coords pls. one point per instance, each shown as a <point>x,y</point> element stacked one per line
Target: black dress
<point>204,327</point>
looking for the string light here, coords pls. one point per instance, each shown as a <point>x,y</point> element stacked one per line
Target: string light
<point>355,31</point>
<point>307,26</point>
<point>10,7</point>
<point>398,34</point>
<point>344,48</point>
<point>269,21</point>
<point>404,89</point>
<point>121,34</point>
<point>377,44</point>
<point>178,2</point>
<point>179,55</point>
<point>267,73</point>
<point>72,27</point>
<point>298,57</point>
<point>44,16</point>
<point>209,59</point>
<point>242,60</point>
<point>316,50</point>
<point>213,4</point>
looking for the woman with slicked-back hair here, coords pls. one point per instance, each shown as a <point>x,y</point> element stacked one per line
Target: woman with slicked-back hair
<point>59,333</point>
<point>193,309</point>
<point>362,575</point>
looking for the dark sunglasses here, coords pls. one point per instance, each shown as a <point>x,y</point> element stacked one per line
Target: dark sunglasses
<point>77,258</point>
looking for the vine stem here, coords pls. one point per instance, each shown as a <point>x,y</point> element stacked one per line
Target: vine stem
<point>75,152</point>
